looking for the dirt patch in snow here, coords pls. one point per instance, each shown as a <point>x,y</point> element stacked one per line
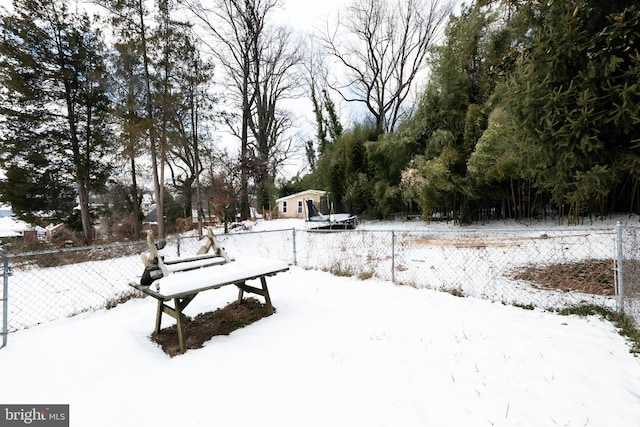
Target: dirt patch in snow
<point>590,276</point>
<point>486,240</point>
<point>206,326</point>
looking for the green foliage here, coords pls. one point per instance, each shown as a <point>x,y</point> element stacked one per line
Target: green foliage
<point>340,270</point>
<point>566,97</point>
<point>456,292</point>
<point>365,275</point>
<point>343,168</point>
<point>329,124</point>
<point>74,220</point>
<point>121,298</point>
<point>334,127</point>
<point>294,185</point>
<point>54,109</point>
<point>474,125</point>
<point>321,131</point>
<point>430,181</point>
<point>524,306</point>
<point>172,209</point>
<point>451,117</point>
<point>494,159</point>
<point>387,158</point>
<point>37,187</point>
<point>548,96</point>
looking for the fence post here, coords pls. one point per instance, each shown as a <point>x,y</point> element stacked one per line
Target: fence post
<point>5,299</point>
<point>619,270</point>
<point>295,260</point>
<point>393,256</point>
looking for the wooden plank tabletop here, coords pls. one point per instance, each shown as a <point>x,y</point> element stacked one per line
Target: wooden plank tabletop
<point>182,284</point>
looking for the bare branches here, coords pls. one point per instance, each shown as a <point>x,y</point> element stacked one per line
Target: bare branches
<point>381,46</point>
<point>260,63</point>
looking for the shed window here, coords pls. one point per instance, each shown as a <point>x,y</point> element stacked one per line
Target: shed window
<point>299,206</point>
<point>284,206</point>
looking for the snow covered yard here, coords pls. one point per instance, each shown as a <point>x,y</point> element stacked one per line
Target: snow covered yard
<point>477,261</point>
<point>338,352</point>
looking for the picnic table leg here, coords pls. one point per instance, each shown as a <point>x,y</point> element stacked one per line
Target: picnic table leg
<point>240,292</point>
<point>159,316</point>
<point>180,324</point>
<point>267,298</point>
<point>243,287</point>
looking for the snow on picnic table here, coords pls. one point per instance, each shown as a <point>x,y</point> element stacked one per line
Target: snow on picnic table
<point>194,280</point>
<point>338,352</point>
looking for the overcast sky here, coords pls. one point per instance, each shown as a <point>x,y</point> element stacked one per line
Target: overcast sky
<point>305,14</point>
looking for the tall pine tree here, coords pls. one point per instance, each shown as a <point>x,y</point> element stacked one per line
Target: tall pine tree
<point>54,107</point>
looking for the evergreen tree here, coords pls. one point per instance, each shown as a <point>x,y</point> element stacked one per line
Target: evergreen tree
<point>575,98</point>
<point>451,116</point>
<point>128,92</point>
<point>55,101</point>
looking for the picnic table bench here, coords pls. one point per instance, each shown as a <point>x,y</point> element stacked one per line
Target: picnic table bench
<point>181,279</point>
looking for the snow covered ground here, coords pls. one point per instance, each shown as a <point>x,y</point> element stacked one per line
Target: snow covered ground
<point>338,352</point>
<point>477,261</point>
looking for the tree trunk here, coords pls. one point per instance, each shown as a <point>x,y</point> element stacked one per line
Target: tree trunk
<point>246,111</point>
<point>134,196</point>
<point>85,214</point>
<point>157,183</point>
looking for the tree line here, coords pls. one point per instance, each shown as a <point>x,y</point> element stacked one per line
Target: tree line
<point>531,109</point>
<point>523,109</point>
<point>93,105</point>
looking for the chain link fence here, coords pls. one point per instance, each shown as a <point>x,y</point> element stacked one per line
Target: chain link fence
<point>628,271</point>
<point>4,301</point>
<point>547,269</point>
<point>48,285</point>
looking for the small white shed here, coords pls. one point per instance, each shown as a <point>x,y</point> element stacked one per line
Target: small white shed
<point>294,206</point>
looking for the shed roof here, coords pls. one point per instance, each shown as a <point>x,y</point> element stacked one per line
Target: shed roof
<point>302,193</point>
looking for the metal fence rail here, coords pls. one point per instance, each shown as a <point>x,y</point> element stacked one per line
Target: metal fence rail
<point>5,300</point>
<point>487,264</point>
<point>628,270</point>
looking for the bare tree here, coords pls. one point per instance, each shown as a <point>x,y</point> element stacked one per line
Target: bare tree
<point>259,62</point>
<point>382,45</point>
<point>190,126</point>
<point>234,25</point>
<point>131,23</point>
<point>315,79</point>
<point>274,78</point>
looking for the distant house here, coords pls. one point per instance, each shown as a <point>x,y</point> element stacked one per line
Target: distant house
<point>294,206</point>
<point>13,228</point>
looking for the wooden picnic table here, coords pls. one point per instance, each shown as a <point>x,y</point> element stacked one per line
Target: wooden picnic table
<point>181,280</point>
<point>183,287</point>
